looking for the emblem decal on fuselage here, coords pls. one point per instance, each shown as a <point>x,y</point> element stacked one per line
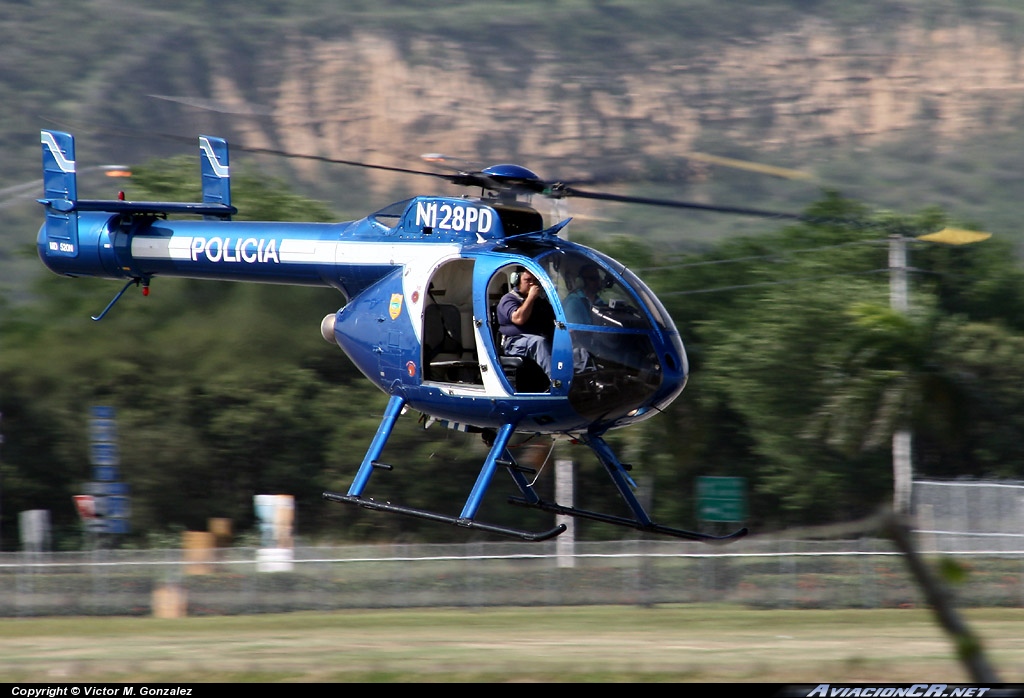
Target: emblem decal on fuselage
<point>395,309</point>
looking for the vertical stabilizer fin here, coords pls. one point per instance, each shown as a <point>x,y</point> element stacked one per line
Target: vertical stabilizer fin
<point>60,192</point>
<point>216,171</point>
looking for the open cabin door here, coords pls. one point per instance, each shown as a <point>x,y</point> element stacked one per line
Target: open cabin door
<point>449,343</point>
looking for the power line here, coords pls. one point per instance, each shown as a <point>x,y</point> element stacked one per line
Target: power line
<point>753,258</point>
<point>784,282</point>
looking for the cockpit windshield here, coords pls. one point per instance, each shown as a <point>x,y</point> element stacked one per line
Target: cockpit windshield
<point>608,315</point>
<point>591,294</point>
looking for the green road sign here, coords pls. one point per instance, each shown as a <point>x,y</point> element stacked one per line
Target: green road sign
<point>722,498</point>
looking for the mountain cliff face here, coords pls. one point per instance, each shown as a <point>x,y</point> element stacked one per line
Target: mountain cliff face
<point>367,97</point>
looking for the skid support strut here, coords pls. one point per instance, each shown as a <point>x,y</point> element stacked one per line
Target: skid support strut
<point>467,519</point>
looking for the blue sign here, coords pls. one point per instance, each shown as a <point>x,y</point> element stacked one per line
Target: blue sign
<point>118,526</point>
<point>104,454</point>
<point>103,488</point>
<point>111,501</point>
<point>102,412</point>
<point>117,507</point>
<point>105,473</point>
<point>102,430</point>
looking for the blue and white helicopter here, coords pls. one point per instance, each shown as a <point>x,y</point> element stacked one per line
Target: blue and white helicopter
<point>421,279</point>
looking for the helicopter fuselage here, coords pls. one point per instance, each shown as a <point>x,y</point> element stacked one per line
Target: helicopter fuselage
<point>423,280</point>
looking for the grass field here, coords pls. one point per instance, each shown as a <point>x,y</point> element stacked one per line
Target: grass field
<point>596,643</point>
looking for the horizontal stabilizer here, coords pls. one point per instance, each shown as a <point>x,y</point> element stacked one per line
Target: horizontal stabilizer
<point>154,207</point>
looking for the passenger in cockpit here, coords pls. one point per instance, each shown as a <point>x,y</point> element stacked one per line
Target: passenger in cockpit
<point>579,303</point>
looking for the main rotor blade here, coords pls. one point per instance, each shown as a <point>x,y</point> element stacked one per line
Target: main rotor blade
<point>462,178</point>
<point>485,181</point>
<point>499,182</point>
<point>669,203</point>
<point>559,190</point>
<point>338,161</point>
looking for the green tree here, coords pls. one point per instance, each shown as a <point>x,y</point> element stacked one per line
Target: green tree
<point>801,372</point>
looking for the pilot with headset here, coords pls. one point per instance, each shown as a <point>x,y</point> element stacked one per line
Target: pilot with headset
<point>579,303</point>
<point>526,320</point>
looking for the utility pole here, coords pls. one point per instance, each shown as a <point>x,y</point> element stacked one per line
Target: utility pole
<point>1,465</point>
<point>565,544</point>
<point>902,468</point>
<point>899,300</point>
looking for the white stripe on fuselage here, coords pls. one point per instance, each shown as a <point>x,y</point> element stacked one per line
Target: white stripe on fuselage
<point>230,249</point>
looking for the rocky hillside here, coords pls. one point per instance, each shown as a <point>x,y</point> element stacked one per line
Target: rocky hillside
<point>371,95</point>
<point>809,86</point>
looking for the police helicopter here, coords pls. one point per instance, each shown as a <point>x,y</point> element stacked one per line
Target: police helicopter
<point>421,279</point>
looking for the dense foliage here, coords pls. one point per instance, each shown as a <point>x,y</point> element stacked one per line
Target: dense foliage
<point>800,374</point>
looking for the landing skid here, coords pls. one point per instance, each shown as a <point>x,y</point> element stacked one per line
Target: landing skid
<point>629,523</point>
<point>442,518</point>
<point>499,455</point>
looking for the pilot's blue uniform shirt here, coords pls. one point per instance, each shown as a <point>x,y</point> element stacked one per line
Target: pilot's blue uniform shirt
<point>541,322</point>
<point>531,339</point>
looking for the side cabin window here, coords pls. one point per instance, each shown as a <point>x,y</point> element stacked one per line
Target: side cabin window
<point>390,216</point>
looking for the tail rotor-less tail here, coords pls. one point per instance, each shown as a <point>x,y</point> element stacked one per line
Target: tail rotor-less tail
<point>76,245</point>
